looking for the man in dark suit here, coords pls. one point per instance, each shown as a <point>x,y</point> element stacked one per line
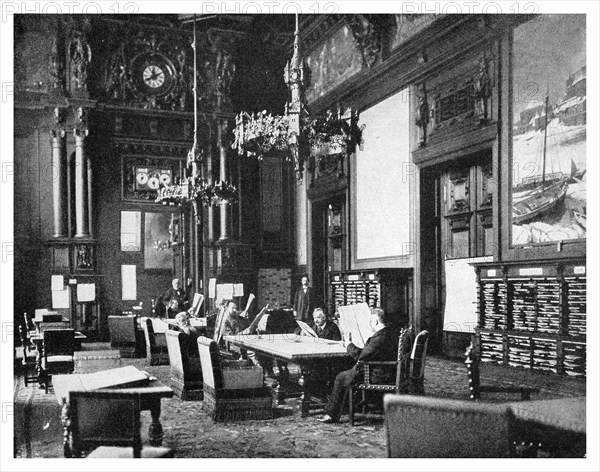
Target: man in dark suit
<point>325,329</point>
<point>381,346</point>
<point>173,300</point>
<point>304,302</point>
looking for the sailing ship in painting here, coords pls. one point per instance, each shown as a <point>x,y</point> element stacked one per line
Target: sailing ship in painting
<point>549,144</point>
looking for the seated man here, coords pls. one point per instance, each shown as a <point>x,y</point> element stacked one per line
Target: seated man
<point>238,323</point>
<point>234,322</point>
<point>325,329</point>
<point>191,332</point>
<point>381,346</point>
<point>173,300</point>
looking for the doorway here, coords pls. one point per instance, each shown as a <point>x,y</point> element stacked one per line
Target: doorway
<point>329,242</point>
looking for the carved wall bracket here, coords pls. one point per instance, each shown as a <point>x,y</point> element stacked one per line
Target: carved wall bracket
<point>367,38</point>
<point>483,89</point>
<point>422,114</point>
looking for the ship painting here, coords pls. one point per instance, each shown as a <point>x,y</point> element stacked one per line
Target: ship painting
<point>549,200</point>
<point>547,192</point>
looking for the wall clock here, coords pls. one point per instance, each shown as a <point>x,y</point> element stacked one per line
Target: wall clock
<point>153,74</point>
<point>147,178</point>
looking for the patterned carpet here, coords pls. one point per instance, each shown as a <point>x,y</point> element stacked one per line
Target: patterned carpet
<point>38,432</point>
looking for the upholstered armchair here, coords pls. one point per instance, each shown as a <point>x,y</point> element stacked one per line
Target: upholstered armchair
<point>233,391</point>
<point>186,371</point>
<point>124,335</point>
<point>424,427</point>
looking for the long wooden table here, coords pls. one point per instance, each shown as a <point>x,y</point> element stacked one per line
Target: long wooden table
<point>150,397</point>
<point>313,355</point>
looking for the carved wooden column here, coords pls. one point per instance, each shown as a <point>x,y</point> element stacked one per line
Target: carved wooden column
<point>82,225</point>
<point>221,138</point>
<point>89,195</point>
<point>59,176</point>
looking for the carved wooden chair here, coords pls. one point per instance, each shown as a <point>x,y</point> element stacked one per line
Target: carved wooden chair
<point>156,344</point>
<point>401,385</point>
<point>424,427</point>
<point>417,359</point>
<point>233,391</point>
<point>475,387</point>
<point>109,420</point>
<point>123,335</point>
<point>186,370</point>
<point>57,354</point>
<point>29,357</point>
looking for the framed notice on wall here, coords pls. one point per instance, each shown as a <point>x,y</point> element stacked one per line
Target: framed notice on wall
<point>131,227</point>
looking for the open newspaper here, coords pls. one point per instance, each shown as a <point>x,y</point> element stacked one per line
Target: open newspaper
<point>306,329</point>
<point>196,304</point>
<point>354,323</point>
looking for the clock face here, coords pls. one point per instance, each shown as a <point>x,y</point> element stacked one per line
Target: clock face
<point>153,183</point>
<point>154,76</point>
<point>165,179</point>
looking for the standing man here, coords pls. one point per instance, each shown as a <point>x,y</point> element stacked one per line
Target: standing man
<point>304,302</point>
<point>381,346</point>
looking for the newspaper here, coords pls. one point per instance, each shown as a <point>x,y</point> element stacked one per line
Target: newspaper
<point>354,323</point>
<point>306,329</point>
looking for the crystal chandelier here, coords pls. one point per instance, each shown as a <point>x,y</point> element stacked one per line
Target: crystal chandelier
<point>296,135</point>
<point>193,188</point>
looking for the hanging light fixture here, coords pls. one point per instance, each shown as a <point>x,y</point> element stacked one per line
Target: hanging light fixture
<point>296,135</point>
<point>193,188</point>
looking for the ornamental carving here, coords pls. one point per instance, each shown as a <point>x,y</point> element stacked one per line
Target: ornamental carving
<point>422,114</point>
<point>151,71</point>
<point>483,89</point>
<point>367,37</point>
<point>80,56</point>
<point>56,69</point>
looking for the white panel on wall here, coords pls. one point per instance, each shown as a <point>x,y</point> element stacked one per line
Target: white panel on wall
<point>301,227</point>
<point>383,173</point>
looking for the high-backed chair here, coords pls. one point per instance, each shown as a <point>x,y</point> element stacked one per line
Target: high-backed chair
<point>475,387</point>
<point>156,344</point>
<point>401,384</point>
<point>57,354</point>
<point>28,360</point>
<point>417,359</point>
<point>233,391</point>
<point>123,335</point>
<point>109,420</point>
<point>186,371</point>
<point>29,324</point>
<point>425,427</point>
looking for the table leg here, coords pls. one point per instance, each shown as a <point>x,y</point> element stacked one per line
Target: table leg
<point>155,432</point>
<point>66,423</point>
<point>39,371</point>
<point>306,383</point>
<point>281,375</point>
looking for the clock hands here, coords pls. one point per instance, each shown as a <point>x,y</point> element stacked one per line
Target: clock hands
<point>154,76</point>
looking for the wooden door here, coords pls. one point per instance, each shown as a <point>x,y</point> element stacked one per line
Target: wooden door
<point>466,204</point>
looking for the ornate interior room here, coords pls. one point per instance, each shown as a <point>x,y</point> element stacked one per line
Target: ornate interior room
<point>430,165</point>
